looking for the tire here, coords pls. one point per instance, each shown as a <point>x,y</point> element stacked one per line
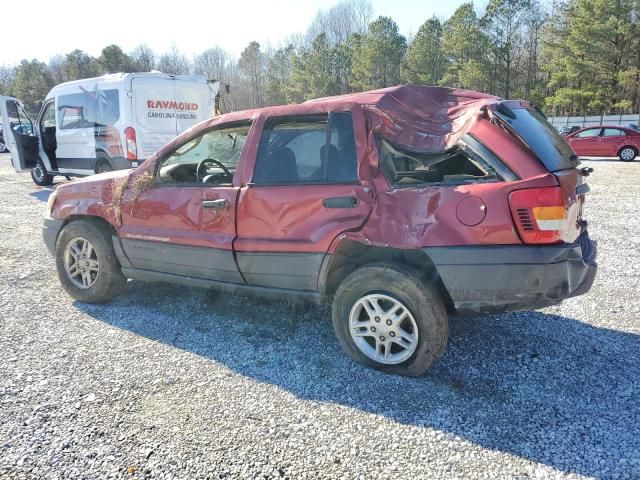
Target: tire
<point>384,284</point>
<point>3,147</point>
<point>106,280</point>
<point>627,154</point>
<point>40,176</point>
<point>103,164</point>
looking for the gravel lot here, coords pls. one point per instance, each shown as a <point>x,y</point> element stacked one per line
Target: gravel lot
<point>171,382</point>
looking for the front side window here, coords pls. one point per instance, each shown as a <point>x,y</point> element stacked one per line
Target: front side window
<point>592,132</point>
<point>210,157</point>
<point>612,132</point>
<point>48,119</point>
<point>311,149</point>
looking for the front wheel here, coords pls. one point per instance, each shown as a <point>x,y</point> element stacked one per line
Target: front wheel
<point>386,317</point>
<point>86,262</point>
<point>627,154</point>
<point>40,176</point>
<point>3,147</point>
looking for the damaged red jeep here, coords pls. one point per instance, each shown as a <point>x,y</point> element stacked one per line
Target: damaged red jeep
<point>398,206</point>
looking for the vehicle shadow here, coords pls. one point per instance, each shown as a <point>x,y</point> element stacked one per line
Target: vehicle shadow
<point>42,195</point>
<point>536,385</point>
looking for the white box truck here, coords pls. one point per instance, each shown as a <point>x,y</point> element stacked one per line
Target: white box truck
<point>106,123</point>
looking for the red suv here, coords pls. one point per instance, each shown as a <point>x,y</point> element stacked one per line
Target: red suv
<point>399,206</point>
<point>606,141</point>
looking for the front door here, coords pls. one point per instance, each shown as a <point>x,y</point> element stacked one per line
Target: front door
<point>587,142</point>
<point>184,224</point>
<point>304,193</point>
<point>19,134</point>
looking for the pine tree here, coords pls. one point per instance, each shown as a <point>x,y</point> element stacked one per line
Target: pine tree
<point>378,56</point>
<point>425,62</point>
<point>31,85</point>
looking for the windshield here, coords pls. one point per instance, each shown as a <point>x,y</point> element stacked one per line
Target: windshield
<point>538,134</point>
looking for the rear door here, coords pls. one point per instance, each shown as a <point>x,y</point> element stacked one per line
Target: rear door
<point>194,102</point>
<point>19,134</point>
<point>184,224</point>
<point>164,107</point>
<point>154,113</point>
<point>304,193</point>
<point>611,140</point>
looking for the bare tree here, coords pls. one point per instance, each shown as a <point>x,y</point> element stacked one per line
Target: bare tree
<point>143,58</point>
<point>56,69</point>
<point>251,67</point>
<point>174,62</point>
<point>7,76</point>
<point>213,63</point>
<point>340,21</point>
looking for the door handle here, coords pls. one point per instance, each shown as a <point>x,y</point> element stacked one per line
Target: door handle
<point>219,204</point>
<point>340,202</point>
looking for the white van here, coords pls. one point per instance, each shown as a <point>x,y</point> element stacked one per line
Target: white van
<point>106,123</point>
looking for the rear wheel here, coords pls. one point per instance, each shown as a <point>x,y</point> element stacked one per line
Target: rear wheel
<point>86,262</point>
<point>40,176</point>
<point>386,317</point>
<point>627,154</point>
<point>3,147</point>
<point>103,164</point>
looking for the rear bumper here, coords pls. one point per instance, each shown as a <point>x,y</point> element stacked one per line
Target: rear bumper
<point>50,230</point>
<point>491,279</point>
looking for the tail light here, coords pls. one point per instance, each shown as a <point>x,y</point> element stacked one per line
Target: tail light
<point>540,215</point>
<point>132,148</point>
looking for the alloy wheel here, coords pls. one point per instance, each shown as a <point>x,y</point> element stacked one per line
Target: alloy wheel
<point>81,263</point>
<point>627,154</point>
<point>38,173</point>
<point>383,329</point>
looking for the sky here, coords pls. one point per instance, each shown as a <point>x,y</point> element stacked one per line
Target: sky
<point>61,26</point>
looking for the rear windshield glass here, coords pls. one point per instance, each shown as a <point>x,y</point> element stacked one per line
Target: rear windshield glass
<point>540,136</point>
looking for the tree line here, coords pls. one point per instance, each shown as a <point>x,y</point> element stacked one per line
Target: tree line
<point>569,57</point>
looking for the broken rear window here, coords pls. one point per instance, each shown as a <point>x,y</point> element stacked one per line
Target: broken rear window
<point>533,129</point>
<point>457,165</point>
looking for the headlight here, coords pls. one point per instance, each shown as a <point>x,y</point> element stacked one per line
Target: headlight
<point>51,202</point>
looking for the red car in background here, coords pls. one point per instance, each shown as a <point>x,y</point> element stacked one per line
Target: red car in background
<point>606,141</point>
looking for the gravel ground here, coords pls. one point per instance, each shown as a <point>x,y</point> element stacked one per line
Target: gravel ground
<point>171,382</point>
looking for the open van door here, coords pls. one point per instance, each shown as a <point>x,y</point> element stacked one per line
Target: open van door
<point>19,134</point>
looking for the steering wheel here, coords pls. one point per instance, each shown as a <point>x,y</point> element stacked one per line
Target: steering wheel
<point>213,161</point>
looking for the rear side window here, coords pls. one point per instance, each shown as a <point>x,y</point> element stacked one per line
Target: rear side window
<point>458,165</point>
<point>89,109</point>
<point>311,149</point>
<point>612,132</point>
<point>533,129</point>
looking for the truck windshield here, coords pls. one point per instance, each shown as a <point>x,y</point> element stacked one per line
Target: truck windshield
<point>538,134</point>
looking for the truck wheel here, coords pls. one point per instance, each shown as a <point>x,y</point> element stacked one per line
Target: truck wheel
<point>86,262</point>
<point>627,154</point>
<point>102,164</point>
<point>386,317</point>
<point>40,176</point>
